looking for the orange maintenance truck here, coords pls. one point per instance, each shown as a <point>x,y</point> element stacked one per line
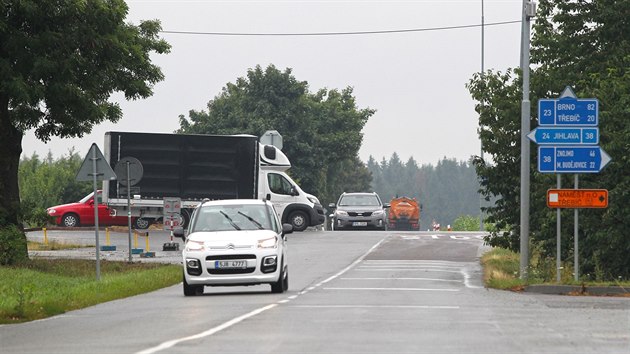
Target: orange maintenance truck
<point>404,214</point>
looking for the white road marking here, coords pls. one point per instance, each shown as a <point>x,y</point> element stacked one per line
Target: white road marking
<point>424,279</point>
<point>393,289</point>
<point>419,265</point>
<point>207,333</point>
<point>410,237</point>
<point>467,280</point>
<point>459,237</point>
<point>230,323</point>
<point>414,261</point>
<point>407,269</point>
<point>379,306</point>
<point>359,260</point>
<point>413,266</point>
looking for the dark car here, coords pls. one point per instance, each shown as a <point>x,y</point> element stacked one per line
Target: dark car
<point>81,213</point>
<point>359,211</point>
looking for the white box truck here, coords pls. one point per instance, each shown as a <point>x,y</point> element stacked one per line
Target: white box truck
<point>199,167</point>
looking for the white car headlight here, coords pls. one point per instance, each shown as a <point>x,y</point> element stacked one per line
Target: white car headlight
<point>341,213</point>
<point>194,246</point>
<point>378,212</point>
<point>271,242</point>
<point>52,211</point>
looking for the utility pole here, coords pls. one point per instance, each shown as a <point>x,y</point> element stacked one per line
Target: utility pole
<point>529,11</point>
<point>481,141</point>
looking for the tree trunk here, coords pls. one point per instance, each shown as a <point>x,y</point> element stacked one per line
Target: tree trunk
<point>10,151</point>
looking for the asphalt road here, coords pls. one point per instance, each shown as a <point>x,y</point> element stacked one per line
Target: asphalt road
<point>349,292</point>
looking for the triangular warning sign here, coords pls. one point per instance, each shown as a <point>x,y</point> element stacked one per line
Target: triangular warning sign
<point>568,93</point>
<point>102,170</point>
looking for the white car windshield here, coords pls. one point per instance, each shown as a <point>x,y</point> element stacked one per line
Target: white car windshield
<point>232,218</point>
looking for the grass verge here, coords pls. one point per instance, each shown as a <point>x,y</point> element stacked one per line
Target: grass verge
<point>501,271</point>
<point>42,288</point>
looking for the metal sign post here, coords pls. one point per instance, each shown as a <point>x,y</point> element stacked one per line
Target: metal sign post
<point>130,171</point>
<point>94,168</point>
<point>576,265</point>
<point>558,235</point>
<point>98,247</point>
<point>127,163</point>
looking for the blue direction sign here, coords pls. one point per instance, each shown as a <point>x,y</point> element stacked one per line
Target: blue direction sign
<point>568,111</point>
<point>564,136</point>
<point>571,159</point>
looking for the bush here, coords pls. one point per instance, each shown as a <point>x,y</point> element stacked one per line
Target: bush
<point>466,223</point>
<point>13,248</point>
<point>37,217</point>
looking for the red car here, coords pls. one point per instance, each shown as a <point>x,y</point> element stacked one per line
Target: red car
<point>82,213</point>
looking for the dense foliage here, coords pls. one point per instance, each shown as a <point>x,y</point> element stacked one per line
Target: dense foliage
<point>445,191</point>
<point>321,131</point>
<point>12,246</point>
<point>466,223</point>
<point>60,61</point>
<point>585,45</point>
<point>47,182</point>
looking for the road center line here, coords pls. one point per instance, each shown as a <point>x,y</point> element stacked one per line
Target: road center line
<point>230,323</point>
<point>207,333</point>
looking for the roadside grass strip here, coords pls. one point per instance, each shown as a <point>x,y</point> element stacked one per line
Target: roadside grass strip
<point>44,287</point>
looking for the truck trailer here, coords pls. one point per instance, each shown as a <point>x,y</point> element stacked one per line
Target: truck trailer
<point>197,167</point>
<point>404,214</point>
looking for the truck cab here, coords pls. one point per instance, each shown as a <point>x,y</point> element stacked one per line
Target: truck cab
<point>294,206</point>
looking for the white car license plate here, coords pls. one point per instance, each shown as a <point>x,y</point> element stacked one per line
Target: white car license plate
<point>359,223</point>
<point>239,264</point>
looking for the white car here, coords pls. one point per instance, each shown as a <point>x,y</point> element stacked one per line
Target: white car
<point>235,242</point>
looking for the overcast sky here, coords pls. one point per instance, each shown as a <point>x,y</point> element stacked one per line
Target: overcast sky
<point>414,80</point>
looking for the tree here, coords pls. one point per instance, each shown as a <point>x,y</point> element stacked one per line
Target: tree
<point>45,183</point>
<point>321,131</point>
<point>60,61</point>
<point>445,191</point>
<point>584,45</point>
<point>348,175</point>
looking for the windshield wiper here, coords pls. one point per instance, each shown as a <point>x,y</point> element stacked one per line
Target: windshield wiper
<point>259,225</point>
<point>230,220</point>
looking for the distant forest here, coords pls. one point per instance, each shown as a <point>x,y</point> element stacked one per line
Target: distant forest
<point>446,191</point>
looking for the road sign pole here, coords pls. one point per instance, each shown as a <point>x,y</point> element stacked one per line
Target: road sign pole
<point>129,209</point>
<point>94,167</point>
<point>558,233</point>
<point>98,247</point>
<point>576,267</point>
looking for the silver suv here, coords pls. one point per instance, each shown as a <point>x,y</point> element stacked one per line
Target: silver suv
<point>359,211</point>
